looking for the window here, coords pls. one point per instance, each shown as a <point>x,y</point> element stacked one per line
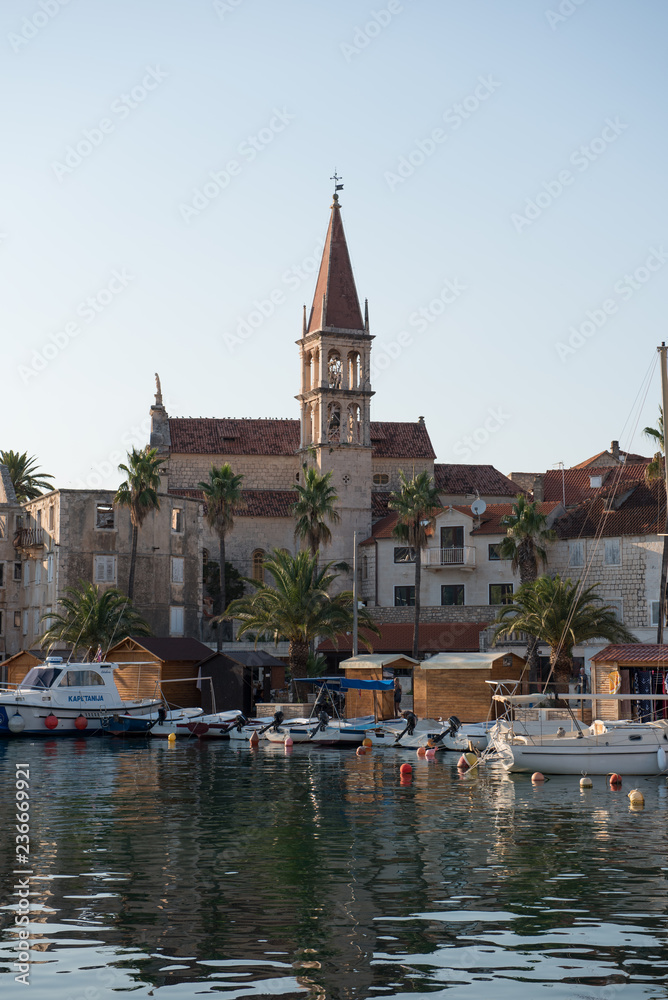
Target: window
<point>26,573</point>
<point>257,571</point>
<point>49,568</point>
<point>18,522</point>
<point>654,612</point>
<point>595,482</point>
<point>612,555</point>
<point>500,593</point>
<point>176,621</point>
<point>80,678</point>
<point>105,569</point>
<point>404,597</point>
<point>104,516</point>
<point>177,569</point>
<point>576,553</point>
<point>3,525</point>
<point>38,519</point>
<point>36,621</point>
<point>177,520</point>
<point>2,574</point>
<point>452,594</point>
<point>38,571</point>
<point>616,605</point>
<point>493,553</point>
<point>452,546</point>
<point>404,554</point>
<point>381,479</point>
<point>25,622</point>
<point>17,619</point>
<point>52,517</point>
<point>17,571</point>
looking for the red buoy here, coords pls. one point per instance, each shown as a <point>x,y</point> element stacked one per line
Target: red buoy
<point>537,778</point>
<point>615,780</point>
<point>51,721</point>
<point>405,769</point>
<point>81,722</point>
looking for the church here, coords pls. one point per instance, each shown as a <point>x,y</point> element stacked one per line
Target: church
<point>334,431</point>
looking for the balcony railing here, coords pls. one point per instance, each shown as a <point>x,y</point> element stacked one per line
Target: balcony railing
<point>455,558</point>
<point>29,538</point>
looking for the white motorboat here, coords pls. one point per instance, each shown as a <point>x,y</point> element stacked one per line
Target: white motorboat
<point>172,721</point>
<point>632,748</point>
<point>323,731</point>
<point>67,699</point>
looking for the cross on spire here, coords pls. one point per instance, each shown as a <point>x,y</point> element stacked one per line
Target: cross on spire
<point>337,187</point>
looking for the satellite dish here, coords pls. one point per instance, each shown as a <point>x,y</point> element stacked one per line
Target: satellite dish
<point>478,507</point>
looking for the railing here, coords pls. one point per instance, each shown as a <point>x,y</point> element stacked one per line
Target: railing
<point>454,557</point>
<point>29,538</point>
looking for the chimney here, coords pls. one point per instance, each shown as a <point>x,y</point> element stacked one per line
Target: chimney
<point>539,489</point>
<point>614,448</point>
<point>421,420</point>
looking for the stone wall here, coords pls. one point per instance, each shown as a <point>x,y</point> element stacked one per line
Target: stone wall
<point>478,613</point>
<point>260,472</point>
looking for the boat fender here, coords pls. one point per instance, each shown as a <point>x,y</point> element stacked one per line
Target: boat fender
<point>615,781</point>
<point>662,760</point>
<point>636,798</point>
<point>288,741</point>
<point>430,753</point>
<point>81,722</point>
<point>51,721</point>
<point>361,751</point>
<point>16,724</point>
<point>586,782</point>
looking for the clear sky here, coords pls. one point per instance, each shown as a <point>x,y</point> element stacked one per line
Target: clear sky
<point>166,172</point>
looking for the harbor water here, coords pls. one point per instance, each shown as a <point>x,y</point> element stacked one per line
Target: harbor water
<point>187,870</point>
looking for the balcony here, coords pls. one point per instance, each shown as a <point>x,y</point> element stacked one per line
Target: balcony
<point>29,538</point>
<point>455,558</point>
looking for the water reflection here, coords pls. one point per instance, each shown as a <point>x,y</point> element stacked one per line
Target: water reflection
<point>209,868</point>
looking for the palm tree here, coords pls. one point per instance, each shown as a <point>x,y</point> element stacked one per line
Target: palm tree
<point>656,470</point>
<point>88,619</point>
<point>314,508</point>
<point>416,504</point>
<point>298,607</point>
<point>527,534</point>
<point>26,479</point>
<point>139,492</point>
<point>222,495</point>
<point>561,614</point>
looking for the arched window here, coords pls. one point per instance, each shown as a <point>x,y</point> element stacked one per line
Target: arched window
<point>354,423</point>
<point>257,571</point>
<point>334,370</point>
<point>333,422</point>
<point>354,370</point>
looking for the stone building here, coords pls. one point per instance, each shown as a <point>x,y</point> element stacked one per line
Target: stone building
<point>69,536</point>
<point>10,568</point>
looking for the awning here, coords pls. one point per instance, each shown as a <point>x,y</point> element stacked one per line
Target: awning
<point>347,683</point>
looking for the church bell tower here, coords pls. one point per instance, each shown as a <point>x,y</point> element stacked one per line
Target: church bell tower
<point>335,397</point>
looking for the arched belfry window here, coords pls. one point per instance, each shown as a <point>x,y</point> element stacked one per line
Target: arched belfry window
<point>354,370</point>
<point>333,422</point>
<point>334,370</point>
<point>257,568</point>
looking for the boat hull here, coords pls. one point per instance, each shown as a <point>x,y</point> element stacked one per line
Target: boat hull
<point>35,716</point>
<point>590,755</point>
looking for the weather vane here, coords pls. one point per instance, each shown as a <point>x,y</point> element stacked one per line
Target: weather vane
<point>336,179</point>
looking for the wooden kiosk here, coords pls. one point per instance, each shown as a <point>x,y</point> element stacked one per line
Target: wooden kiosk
<point>456,684</point>
<point>369,667</point>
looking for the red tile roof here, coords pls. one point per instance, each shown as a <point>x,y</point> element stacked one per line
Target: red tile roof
<point>256,503</point>
<point>209,436</point>
<point>638,508</point>
<point>383,528</point>
<point>490,521</point>
<point>335,302</point>
<point>484,479</point>
<point>577,482</point>
<point>625,455</point>
<point>636,653</point>
<point>435,637</point>
<point>379,502</point>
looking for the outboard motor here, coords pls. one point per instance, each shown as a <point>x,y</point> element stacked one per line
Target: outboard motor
<point>323,719</point>
<point>453,725</point>
<point>411,722</point>
<point>277,720</point>
<point>240,722</point>
<point>162,715</point>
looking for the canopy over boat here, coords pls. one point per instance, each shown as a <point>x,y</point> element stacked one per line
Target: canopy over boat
<point>348,683</point>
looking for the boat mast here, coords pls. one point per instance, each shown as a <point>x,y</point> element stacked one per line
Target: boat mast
<point>355,643</point>
<point>663,351</point>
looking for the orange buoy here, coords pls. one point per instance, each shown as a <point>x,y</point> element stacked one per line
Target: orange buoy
<point>405,769</point>
<point>51,721</point>
<point>421,752</point>
<point>81,722</point>
<point>615,780</point>
<point>366,742</point>
<point>254,739</point>
<point>537,778</point>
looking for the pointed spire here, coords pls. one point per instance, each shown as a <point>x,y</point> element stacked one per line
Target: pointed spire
<point>335,302</point>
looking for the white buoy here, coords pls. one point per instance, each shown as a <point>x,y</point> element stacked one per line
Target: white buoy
<point>586,782</point>
<point>16,724</point>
